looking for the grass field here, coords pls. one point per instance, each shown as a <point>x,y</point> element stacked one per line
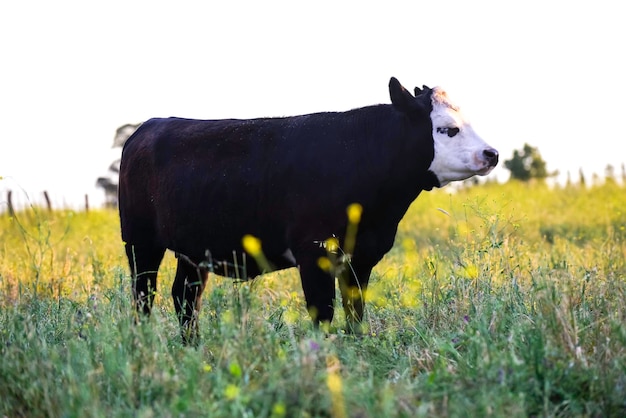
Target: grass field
<point>497,300</point>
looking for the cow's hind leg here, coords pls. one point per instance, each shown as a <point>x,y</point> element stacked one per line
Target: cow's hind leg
<point>187,291</point>
<point>144,264</point>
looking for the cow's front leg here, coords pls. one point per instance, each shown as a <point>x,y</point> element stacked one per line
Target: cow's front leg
<point>187,291</point>
<point>319,289</point>
<point>353,282</point>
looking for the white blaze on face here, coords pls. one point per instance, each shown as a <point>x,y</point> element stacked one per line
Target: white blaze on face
<point>459,152</point>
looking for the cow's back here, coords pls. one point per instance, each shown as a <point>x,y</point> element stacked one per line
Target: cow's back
<point>192,185</point>
<point>183,182</point>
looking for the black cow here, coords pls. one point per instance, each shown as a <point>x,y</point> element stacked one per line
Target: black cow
<point>197,187</point>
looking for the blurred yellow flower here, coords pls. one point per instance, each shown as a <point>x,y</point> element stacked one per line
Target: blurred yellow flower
<point>279,410</point>
<point>231,392</point>
<point>334,383</point>
<point>252,245</point>
<point>324,263</point>
<point>291,316</point>
<point>235,369</point>
<point>472,271</point>
<point>331,245</point>
<point>354,213</point>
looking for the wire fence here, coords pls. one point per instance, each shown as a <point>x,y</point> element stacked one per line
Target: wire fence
<point>15,201</point>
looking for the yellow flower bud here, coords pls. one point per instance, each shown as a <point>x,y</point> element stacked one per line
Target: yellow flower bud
<point>354,213</point>
<point>252,245</point>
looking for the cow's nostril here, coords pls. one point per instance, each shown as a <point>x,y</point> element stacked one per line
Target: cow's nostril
<point>491,155</point>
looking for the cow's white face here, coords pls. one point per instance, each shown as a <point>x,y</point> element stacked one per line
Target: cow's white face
<point>459,152</point>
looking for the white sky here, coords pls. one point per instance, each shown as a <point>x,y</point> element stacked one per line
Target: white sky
<point>550,73</point>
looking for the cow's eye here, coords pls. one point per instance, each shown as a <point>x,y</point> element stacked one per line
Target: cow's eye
<point>453,131</point>
<point>448,131</point>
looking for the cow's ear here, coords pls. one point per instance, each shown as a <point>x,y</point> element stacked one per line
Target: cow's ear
<point>401,98</point>
<point>424,89</point>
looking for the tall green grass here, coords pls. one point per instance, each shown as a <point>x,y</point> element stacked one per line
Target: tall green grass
<point>501,300</point>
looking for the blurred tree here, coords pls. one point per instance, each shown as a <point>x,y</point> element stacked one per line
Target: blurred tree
<point>109,182</point>
<point>527,164</point>
<point>581,177</point>
<point>609,174</point>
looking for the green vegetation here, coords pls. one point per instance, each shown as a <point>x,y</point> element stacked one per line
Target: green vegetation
<point>527,164</point>
<point>502,300</point>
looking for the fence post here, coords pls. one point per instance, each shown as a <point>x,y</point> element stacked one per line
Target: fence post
<point>86,202</point>
<point>10,202</point>
<point>48,203</point>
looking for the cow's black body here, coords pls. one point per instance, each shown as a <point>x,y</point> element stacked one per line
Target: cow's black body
<point>197,187</point>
